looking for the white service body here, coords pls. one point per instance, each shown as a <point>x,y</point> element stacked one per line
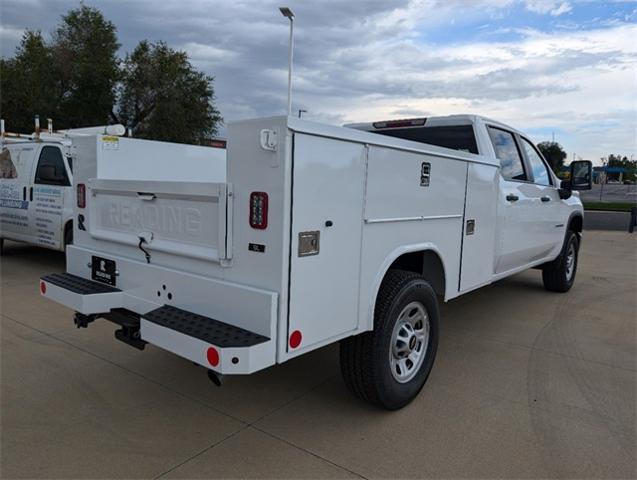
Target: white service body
<point>36,177</point>
<point>343,206</point>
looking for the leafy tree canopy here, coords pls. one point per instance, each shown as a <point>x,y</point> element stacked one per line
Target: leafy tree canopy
<point>78,80</point>
<point>163,96</point>
<point>85,59</point>
<point>27,84</point>
<point>553,153</point>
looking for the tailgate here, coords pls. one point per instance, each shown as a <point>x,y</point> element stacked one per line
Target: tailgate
<point>191,219</point>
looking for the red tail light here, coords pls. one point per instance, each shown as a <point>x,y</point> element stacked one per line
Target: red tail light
<point>259,210</point>
<point>81,195</point>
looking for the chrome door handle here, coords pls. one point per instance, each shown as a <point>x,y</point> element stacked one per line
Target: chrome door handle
<point>545,198</point>
<point>512,198</point>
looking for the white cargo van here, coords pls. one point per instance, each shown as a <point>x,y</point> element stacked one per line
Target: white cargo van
<point>36,197</point>
<point>315,234</point>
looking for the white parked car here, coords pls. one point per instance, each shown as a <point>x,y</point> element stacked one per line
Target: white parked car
<point>314,234</point>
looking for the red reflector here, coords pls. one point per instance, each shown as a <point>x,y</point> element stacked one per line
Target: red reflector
<point>259,210</point>
<point>295,339</point>
<point>413,122</point>
<point>42,288</point>
<point>213,356</point>
<point>81,195</point>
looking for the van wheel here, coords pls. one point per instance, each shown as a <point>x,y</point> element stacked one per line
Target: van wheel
<point>68,235</point>
<point>559,275</point>
<point>390,365</point>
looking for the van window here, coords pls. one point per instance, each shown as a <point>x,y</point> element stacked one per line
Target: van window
<point>7,168</point>
<point>538,167</point>
<point>456,137</point>
<point>506,150</point>
<point>51,169</point>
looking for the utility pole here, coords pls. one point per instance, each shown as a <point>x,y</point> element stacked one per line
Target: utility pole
<point>286,12</point>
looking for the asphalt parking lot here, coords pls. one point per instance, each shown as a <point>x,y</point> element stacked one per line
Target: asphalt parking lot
<point>610,192</point>
<point>527,383</point>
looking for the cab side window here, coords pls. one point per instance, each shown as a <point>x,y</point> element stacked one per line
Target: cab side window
<point>51,170</point>
<point>7,168</point>
<point>541,175</point>
<point>507,152</point>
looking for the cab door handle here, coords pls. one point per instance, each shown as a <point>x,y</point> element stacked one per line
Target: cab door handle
<point>24,193</point>
<point>545,198</point>
<point>512,198</point>
<point>31,194</point>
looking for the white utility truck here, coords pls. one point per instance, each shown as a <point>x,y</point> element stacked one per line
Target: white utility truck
<point>36,177</point>
<point>314,234</point>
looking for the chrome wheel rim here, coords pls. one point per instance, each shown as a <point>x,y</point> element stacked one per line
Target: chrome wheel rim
<point>409,342</point>
<point>570,262</point>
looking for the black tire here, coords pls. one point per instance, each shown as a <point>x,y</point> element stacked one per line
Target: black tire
<point>559,275</point>
<point>68,235</point>
<point>366,359</point>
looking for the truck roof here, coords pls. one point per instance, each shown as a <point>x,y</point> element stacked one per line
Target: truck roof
<point>457,119</point>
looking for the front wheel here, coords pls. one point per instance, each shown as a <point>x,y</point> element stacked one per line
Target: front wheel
<point>559,275</point>
<point>390,365</point>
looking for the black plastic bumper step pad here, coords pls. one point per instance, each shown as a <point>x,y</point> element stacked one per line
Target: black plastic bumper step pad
<point>204,328</point>
<point>76,284</point>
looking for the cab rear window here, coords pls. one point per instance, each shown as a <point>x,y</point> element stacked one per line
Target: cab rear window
<point>456,137</point>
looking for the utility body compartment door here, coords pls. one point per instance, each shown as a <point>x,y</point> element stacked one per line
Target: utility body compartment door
<point>478,235</point>
<point>189,219</point>
<point>327,205</point>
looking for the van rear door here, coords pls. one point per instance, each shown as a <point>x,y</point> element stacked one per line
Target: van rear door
<point>16,167</point>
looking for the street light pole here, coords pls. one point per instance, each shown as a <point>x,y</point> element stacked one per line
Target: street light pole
<point>286,12</point>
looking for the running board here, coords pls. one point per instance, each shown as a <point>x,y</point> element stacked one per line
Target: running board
<point>216,345</point>
<point>79,294</point>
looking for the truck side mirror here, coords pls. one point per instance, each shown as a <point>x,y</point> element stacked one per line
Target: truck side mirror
<point>581,175</point>
<point>581,178</point>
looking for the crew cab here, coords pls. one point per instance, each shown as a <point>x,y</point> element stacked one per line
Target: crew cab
<point>313,234</point>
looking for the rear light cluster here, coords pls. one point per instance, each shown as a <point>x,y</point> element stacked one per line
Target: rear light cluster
<point>409,122</point>
<point>81,195</point>
<point>259,210</point>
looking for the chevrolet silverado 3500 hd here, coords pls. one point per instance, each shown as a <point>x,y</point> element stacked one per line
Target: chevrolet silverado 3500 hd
<point>314,234</point>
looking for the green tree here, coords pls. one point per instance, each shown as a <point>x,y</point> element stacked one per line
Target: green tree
<point>163,97</point>
<point>28,86</point>
<point>553,153</point>
<point>84,51</point>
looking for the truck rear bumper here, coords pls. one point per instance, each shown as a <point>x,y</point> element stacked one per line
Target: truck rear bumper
<point>225,327</point>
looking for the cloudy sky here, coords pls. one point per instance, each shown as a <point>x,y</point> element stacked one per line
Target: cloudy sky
<point>548,67</point>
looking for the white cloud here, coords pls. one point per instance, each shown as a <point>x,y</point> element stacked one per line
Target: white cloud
<point>552,7</point>
<point>371,60</point>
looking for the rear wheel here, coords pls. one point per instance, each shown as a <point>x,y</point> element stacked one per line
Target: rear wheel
<point>390,365</point>
<point>559,275</point>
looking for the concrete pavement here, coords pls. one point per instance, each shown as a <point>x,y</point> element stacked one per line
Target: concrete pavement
<point>527,383</point>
